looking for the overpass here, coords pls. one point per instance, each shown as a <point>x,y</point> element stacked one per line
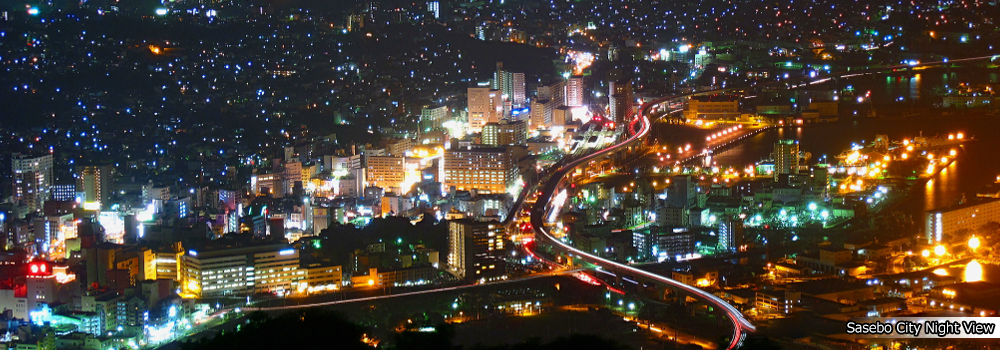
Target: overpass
<point>558,180</point>
<point>639,127</point>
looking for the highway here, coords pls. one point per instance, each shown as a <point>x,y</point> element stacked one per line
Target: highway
<point>428,291</point>
<point>740,324</point>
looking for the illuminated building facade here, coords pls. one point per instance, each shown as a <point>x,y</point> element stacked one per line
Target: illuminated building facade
<point>485,106</point>
<point>574,91</point>
<point>712,108</point>
<point>621,101</point>
<point>241,271</point>
<point>95,183</point>
<point>32,180</point>
<point>475,249</point>
<point>488,170</point>
<point>950,220</point>
<point>786,157</point>
<point>385,172</point>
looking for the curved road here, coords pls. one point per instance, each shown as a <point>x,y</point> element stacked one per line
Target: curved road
<point>740,324</point>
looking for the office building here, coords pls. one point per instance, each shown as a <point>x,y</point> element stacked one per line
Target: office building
<point>574,91</point>
<point>475,249</point>
<point>485,106</point>
<point>505,133</point>
<point>64,192</point>
<point>239,271</point>
<point>94,181</point>
<point>621,101</point>
<point>32,180</point>
<point>730,236</point>
<point>786,157</point>
<point>386,172</point>
<point>432,118</point>
<point>487,170</point>
<point>547,99</point>
<point>675,244</point>
<point>510,84</point>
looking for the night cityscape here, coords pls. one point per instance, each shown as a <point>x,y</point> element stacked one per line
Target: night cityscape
<point>499,174</point>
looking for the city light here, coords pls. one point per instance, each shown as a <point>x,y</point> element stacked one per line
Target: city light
<point>940,250</point>
<point>974,243</point>
<point>973,272</point>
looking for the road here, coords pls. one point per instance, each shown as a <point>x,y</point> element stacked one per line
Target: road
<point>740,324</point>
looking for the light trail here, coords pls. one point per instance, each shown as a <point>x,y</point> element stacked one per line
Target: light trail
<point>421,292</point>
<point>740,324</point>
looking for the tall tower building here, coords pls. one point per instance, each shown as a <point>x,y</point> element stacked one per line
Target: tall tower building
<point>547,99</point>
<point>510,84</point>
<point>32,180</point>
<point>95,182</point>
<point>621,101</point>
<point>786,157</point>
<point>574,91</point>
<point>475,248</point>
<point>434,7</point>
<point>485,106</point>
<point>730,235</point>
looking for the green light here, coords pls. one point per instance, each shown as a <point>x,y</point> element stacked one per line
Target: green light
<point>454,305</point>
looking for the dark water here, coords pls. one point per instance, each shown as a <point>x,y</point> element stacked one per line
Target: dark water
<point>975,168</point>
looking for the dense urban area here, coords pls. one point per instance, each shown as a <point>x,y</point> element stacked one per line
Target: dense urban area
<point>501,174</point>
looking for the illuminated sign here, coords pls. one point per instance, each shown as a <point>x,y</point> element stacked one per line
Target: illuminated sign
<point>91,206</point>
<point>287,252</point>
<point>40,268</point>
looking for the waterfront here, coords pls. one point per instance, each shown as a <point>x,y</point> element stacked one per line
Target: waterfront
<point>977,166</point>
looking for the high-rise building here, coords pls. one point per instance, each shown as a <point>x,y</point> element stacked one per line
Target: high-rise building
<point>621,101</point>
<point>32,180</point>
<point>574,91</point>
<point>730,235</point>
<point>510,84</point>
<point>505,133</point>
<point>475,249</point>
<point>553,91</point>
<point>682,193</point>
<point>64,192</point>
<point>491,134</point>
<point>517,89</point>
<point>238,271</point>
<point>95,183</point>
<point>434,7</point>
<point>547,99</point>
<point>786,157</point>
<point>485,106</point>
<point>386,172</point>
<point>431,118</point>
<point>487,170</point>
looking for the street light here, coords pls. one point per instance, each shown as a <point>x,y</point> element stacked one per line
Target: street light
<point>974,243</point>
<point>940,250</point>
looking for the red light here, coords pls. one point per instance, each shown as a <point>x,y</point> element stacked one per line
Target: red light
<point>34,268</point>
<point>42,267</point>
